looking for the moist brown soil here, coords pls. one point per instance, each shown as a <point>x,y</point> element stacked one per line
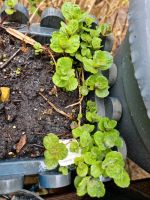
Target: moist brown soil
<point>27,113</point>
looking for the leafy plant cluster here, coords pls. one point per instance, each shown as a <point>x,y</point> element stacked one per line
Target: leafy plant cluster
<point>81,45</point>
<point>10,4</point>
<point>97,157</point>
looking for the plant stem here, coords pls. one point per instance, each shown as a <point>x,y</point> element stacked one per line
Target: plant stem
<point>50,53</point>
<point>55,108</point>
<point>33,15</point>
<point>75,104</point>
<point>80,77</point>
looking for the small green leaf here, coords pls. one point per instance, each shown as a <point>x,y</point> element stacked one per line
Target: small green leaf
<point>82,186</point>
<point>112,139</point>
<point>114,170</point>
<point>105,124</point>
<point>79,57</point>
<point>92,117</point>
<point>11,3</point>
<point>38,48</point>
<point>84,90</point>
<point>96,170</point>
<point>102,59</point>
<point>64,76</point>
<point>123,180</point>
<point>55,150</point>
<point>9,11</point>
<point>77,132</point>
<point>58,42</point>
<point>73,44</point>
<point>99,140</point>
<point>88,65</point>
<point>109,125</point>
<point>72,11</point>
<point>49,140</point>
<point>96,152</point>
<point>105,29</point>
<point>99,83</point>
<point>72,84</point>
<point>113,157</point>
<point>102,93</point>
<point>77,180</point>
<point>91,106</point>
<point>89,21</point>
<point>78,160</point>
<point>64,170</point>
<point>96,42</point>
<point>74,146</point>
<point>49,160</point>
<point>86,37</point>
<point>95,188</point>
<point>89,159</point>
<point>72,27</point>
<point>86,140</point>
<point>95,32</point>
<point>50,163</point>
<point>86,52</point>
<point>82,169</point>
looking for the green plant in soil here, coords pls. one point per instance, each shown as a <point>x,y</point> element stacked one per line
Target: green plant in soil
<point>79,46</point>
<point>38,48</point>
<point>10,4</point>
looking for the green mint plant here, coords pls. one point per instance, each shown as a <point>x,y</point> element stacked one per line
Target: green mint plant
<point>64,76</point>
<point>79,47</point>
<point>10,4</point>
<point>97,155</point>
<point>38,48</point>
<point>77,39</point>
<point>55,150</point>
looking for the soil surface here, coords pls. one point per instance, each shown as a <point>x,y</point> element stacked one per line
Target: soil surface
<point>27,113</point>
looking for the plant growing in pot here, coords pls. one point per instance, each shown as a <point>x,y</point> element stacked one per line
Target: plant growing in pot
<point>79,65</point>
<point>93,143</point>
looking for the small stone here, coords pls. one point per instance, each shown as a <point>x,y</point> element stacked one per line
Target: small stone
<point>11,154</point>
<point>42,89</point>
<point>11,112</point>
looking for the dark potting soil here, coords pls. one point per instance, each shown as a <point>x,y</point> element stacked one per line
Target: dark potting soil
<point>27,113</point>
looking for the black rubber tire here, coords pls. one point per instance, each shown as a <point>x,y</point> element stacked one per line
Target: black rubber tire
<point>132,87</point>
<point>139,39</point>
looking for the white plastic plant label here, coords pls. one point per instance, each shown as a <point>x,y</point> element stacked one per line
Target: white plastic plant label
<point>69,160</point>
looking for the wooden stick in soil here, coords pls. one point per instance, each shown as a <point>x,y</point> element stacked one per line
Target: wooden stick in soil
<point>75,104</point>
<point>7,62</point>
<point>55,108</point>
<point>28,40</point>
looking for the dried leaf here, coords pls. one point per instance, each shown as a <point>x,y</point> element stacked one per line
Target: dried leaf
<point>21,36</point>
<point>4,94</point>
<point>21,143</point>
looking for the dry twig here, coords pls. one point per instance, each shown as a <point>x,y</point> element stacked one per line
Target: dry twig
<point>55,108</point>
<point>33,15</point>
<point>75,104</point>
